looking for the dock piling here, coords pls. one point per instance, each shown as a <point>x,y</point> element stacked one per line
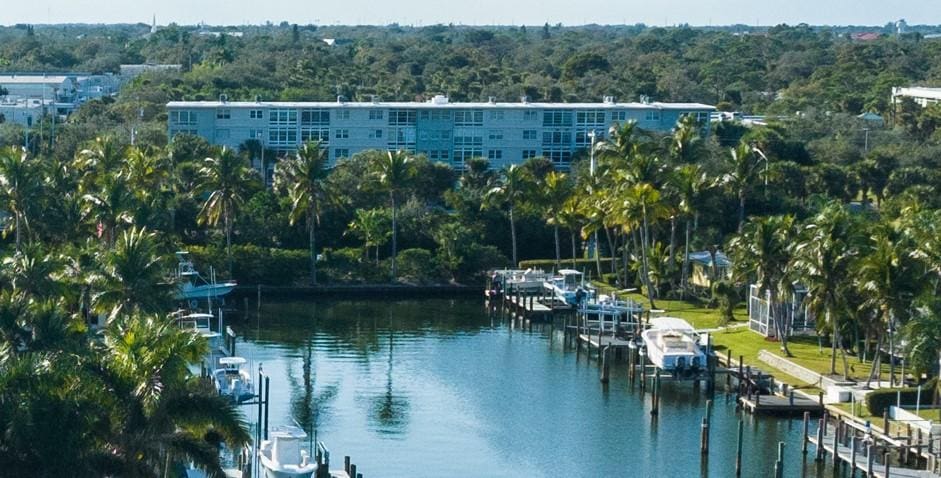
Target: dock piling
<point>704,437</point>
<point>870,472</point>
<point>779,465</point>
<point>738,449</point>
<point>821,425</point>
<point>806,429</point>
<point>604,363</point>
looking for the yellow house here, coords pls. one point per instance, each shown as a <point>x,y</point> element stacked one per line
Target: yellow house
<point>702,272</point>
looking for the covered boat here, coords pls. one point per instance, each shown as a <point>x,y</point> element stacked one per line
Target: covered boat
<point>193,286</point>
<point>284,454</point>
<point>672,346</point>
<point>233,380</point>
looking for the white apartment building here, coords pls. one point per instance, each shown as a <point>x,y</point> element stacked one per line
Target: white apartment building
<point>504,133</point>
<point>923,96</point>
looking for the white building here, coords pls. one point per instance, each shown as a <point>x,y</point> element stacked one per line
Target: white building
<point>504,133</point>
<point>26,112</point>
<point>60,88</point>
<point>923,96</point>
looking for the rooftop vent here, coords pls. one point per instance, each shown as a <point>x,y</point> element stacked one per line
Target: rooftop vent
<point>645,99</point>
<point>223,98</point>
<point>439,100</point>
<point>257,98</point>
<point>376,99</point>
<point>492,99</point>
<point>341,99</point>
<point>609,100</point>
<point>524,99</point>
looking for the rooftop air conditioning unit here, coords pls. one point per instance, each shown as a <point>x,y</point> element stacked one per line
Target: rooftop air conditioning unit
<point>223,98</point>
<point>609,100</point>
<point>524,99</point>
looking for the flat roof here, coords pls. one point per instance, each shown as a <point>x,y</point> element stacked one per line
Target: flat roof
<point>918,91</point>
<point>27,79</point>
<point>430,105</point>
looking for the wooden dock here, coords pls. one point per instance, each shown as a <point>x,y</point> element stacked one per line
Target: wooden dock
<point>864,457</point>
<point>778,405</point>
<point>596,341</point>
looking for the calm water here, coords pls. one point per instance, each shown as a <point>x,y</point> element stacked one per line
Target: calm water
<point>439,388</point>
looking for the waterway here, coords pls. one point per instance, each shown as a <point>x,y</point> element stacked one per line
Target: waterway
<point>442,388</point>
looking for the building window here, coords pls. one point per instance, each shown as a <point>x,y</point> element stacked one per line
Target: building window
<point>557,118</point>
<point>321,135</point>
<point>583,138</point>
<point>282,137</point>
<point>589,118</point>
<point>315,117</point>
<point>468,118</point>
<point>496,115</point>
<point>464,155</point>
<point>258,134</point>
<point>223,113</point>
<point>702,117</point>
<point>343,114</point>
<point>562,157</point>
<point>339,153</point>
<point>618,115</point>
<point>282,117</point>
<point>494,154</point>
<point>256,114</point>
<point>401,117</point>
<point>529,134</point>
<point>375,134</point>
<point>183,117</point>
<point>529,153</point>
<point>222,134</point>
<point>424,115</point>
<point>530,115</point>
<point>652,115</point>
<point>556,137</point>
<point>495,134</point>
<point>440,115</point>
<point>342,134</point>
<point>376,114</point>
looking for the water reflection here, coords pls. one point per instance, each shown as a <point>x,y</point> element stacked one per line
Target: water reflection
<point>446,388</point>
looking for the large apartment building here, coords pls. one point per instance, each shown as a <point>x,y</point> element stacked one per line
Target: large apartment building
<point>504,133</point>
<point>921,95</point>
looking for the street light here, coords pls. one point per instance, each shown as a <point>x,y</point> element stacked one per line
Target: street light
<point>592,166</point>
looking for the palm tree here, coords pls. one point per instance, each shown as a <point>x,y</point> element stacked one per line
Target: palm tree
<point>20,186</point>
<point>824,258</point>
<point>690,182</point>
<point>923,335</point>
<point>99,162</point>
<point>641,205</point>
<point>109,207</point>
<point>372,227</point>
<point>764,248</point>
<point>394,171</point>
<point>556,191</point>
<point>570,217</point>
<point>888,278</point>
<point>512,190</point>
<point>133,276</point>
<point>163,413</point>
<point>686,143</point>
<point>304,178</point>
<point>742,165</point>
<point>227,178</point>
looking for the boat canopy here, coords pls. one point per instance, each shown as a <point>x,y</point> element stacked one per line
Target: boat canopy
<point>569,272</point>
<point>232,361</point>
<point>671,323</point>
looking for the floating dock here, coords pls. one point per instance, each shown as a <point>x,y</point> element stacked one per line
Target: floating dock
<point>776,404</point>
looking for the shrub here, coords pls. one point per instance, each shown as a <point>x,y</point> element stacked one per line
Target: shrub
<point>253,265</point>
<point>478,259</point>
<point>418,265</point>
<point>878,401</point>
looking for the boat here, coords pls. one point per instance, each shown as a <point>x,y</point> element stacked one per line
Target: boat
<point>201,324</point>
<point>284,455</point>
<point>672,345</point>
<point>233,380</point>
<point>529,281</point>
<point>194,286</point>
<point>569,286</point>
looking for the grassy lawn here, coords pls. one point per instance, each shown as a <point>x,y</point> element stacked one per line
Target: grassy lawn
<point>805,350</point>
<point>862,412</point>
<point>700,317</point>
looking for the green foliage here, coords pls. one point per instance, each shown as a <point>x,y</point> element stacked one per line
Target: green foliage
<point>880,400</point>
<point>586,266</point>
<point>419,266</point>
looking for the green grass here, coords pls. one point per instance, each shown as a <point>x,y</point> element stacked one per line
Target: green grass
<point>700,317</point>
<point>805,352</point>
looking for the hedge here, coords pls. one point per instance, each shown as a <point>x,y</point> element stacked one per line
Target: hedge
<point>878,401</point>
<point>253,265</point>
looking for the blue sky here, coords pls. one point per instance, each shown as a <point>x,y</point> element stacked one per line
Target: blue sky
<point>423,12</point>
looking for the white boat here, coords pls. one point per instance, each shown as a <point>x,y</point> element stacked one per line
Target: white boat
<point>672,345</point>
<point>200,324</point>
<point>569,286</point>
<point>233,380</point>
<point>194,286</point>
<point>517,280</point>
<point>284,454</point>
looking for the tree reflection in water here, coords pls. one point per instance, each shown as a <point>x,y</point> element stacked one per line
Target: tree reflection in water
<point>308,407</point>
<point>389,411</point>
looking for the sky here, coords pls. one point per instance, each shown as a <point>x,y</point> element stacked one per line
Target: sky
<point>473,12</point>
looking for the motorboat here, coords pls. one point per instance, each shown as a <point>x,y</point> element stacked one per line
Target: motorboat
<point>233,380</point>
<point>201,324</point>
<point>529,281</point>
<point>284,454</point>
<point>672,345</point>
<point>193,286</point>
<point>569,286</point>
